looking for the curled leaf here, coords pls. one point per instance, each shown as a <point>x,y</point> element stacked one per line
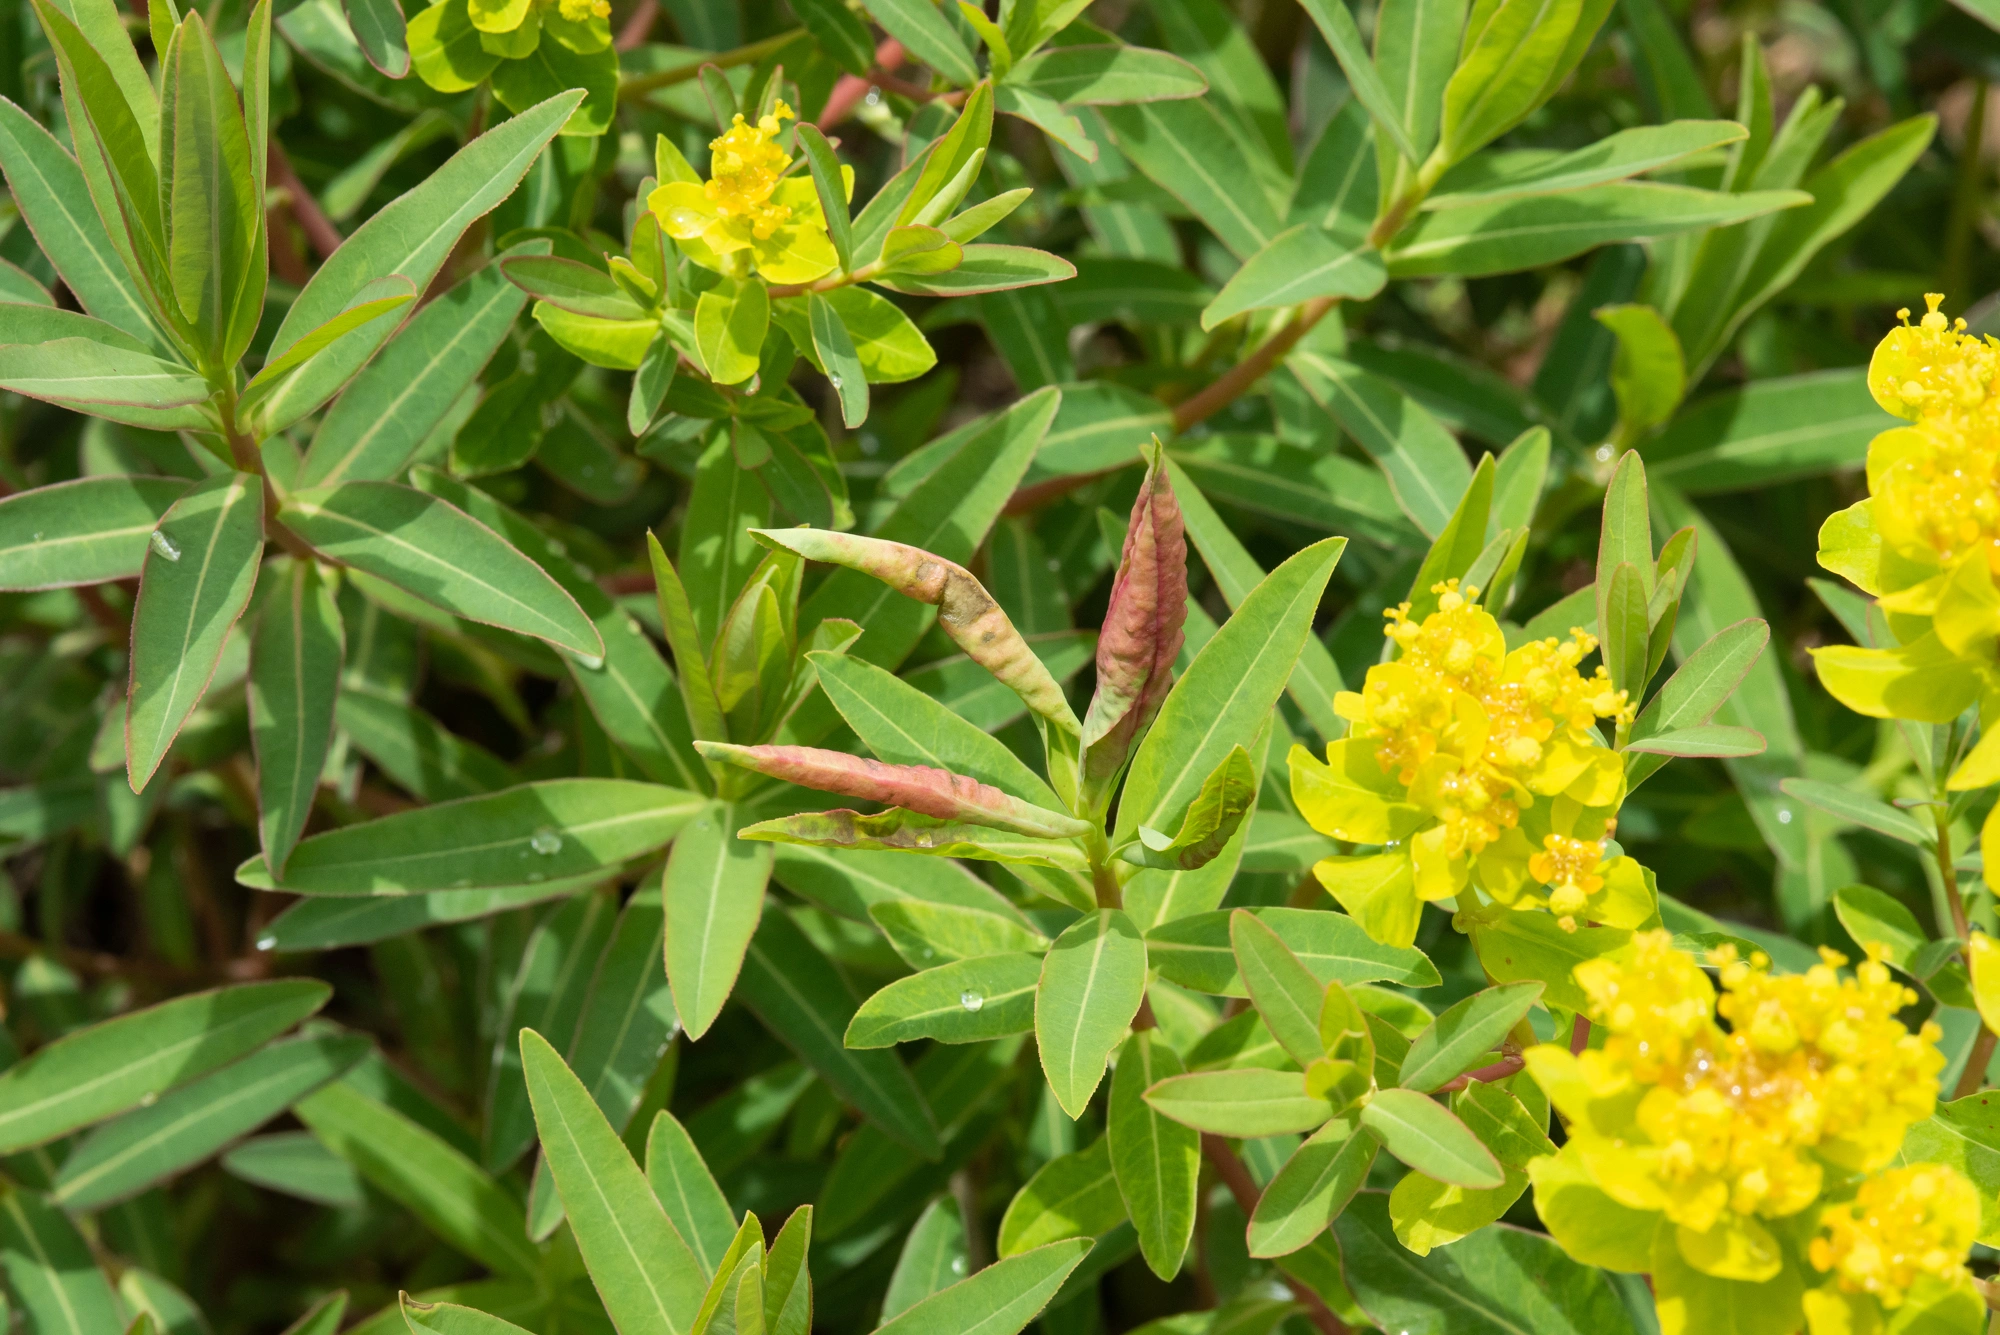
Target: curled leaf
<point>918,788</point>
<point>1142,626</point>
<point>966,611</point>
<point>1226,797</point>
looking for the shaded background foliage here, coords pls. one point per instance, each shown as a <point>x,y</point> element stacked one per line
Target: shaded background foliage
<point>115,900</point>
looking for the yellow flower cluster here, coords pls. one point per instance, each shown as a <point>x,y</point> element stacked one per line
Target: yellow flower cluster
<point>1902,1224</point>
<point>1471,763</point>
<point>749,211</point>
<point>1814,1071</point>
<point>745,169</point>
<point>583,11</point>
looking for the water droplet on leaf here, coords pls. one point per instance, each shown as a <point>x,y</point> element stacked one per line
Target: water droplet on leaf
<point>972,1001</point>
<point>164,545</point>
<point>833,380</point>
<point>545,841</point>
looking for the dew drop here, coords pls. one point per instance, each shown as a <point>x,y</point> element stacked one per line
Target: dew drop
<point>924,839</point>
<point>833,380</point>
<point>164,545</point>
<point>591,662</point>
<point>958,1265</point>
<point>38,537</point>
<point>148,1099</point>
<point>267,943</point>
<point>545,841</point>
<point>972,1001</point>
<point>1784,815</point>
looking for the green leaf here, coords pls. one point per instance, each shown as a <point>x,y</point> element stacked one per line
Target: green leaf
<point>107,380</point>
<point>1312,1188</point>
<point>1093,979</point>
<point>380,421</point>
<point>964,1001</point>
<point>1492,177</point>
<point>1213,818</point>
<point>329,924</point>
<point>714,894</point>
<point>107,1068</point>
<point>1458,544</point>
<point>843,366</point>
<point>1430,1214</point>
<point>436,551</point>
<point>155,1142</point>
<point>643,1270</point>
<point>446,49</point>
<point>1245,1102</point>
<point>1429,1138</point>
<point>87,531</point>
<point>1197,952</point>
<point>1519,947</point>
<point>1426,468</point>
<point>294,1163</point>
<point>1861,809</point>
<point>1344,40</point>
<point>729,324</point>
<point>295,666</point>
<point>1768,431</point>
<point>1622,619</point>
<point>446,1191</point>
<point>686,1190</point>
<point>1070,1196</point>
<point>1193,150</point>
<point>1499,1281</point>
<point>1157,1161</point>
<point>1297,265</point>
<point>412,236</point>
<point>379,28</point>
<point>555,829</point>
<point>553,67</point>
<point>933,1256</point>
<point>1706,679</point>
<point>803,999</point>
<point>1284,991</point>
<point>199,571</point>
<point>50,1270</point>
<point>1528,233</point>
<point>577,288</point>
<point>214,209</point>
<point>1457,1039</point>
<point>452,1319</point>
<point>1000,1300</point>
<point>918,25</point>
<point>828,181</point>
<point>984,268</point>
<point>1869,915</point>
<point>49,189</point>
<point>1706,739</point>
<point>1227,691</point>
<point>1092,75</point>
<point>1649,375</point>
<point>925,934</point>
<point>1506,63</point>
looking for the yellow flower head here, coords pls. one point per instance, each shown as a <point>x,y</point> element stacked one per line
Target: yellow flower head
<point>583,11</point>
<point>1473,731</point>
<point>745,169</point>
<point>749,209</point>
<point>1933,367</point>
<point>1572,869</point>
<point>1678,1114</point>
<point>1903,1224</point>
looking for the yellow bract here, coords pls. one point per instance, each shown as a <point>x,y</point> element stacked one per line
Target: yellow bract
<point>1470,764</point>
<point>749,208</point>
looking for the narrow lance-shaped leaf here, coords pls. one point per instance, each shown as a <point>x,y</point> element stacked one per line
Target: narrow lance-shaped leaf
<point>999,1300</point>
<point>966,611</point>
<point>295,665</point>
<point>713,892</point>
<point>919,788</point>
<point>1143,626</point>
<point>1093,980</point>
<point>1157,1161</point>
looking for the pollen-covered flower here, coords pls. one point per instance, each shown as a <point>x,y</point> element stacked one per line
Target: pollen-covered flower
<point>1718,1127</point>
<point>1926,541</point>
<point>749,207</point>
<point>1472,764</point>
<point>1904,1223</point>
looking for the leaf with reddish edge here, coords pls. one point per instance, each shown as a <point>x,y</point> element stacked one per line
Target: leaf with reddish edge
<point>1142,626</point>
<point>966,611</point>
<point>918,788</point>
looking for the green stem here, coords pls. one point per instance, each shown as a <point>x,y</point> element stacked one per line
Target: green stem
<point>742,55</point>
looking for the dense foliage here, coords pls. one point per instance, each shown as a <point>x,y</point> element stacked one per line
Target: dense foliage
<point>694,668</point>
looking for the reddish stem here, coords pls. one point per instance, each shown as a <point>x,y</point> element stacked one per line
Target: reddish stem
<point>637,27</point>
<point>851,88</point>
<point>320,232</point>
<point>1579,1035</point>
<point>1510,1064</point>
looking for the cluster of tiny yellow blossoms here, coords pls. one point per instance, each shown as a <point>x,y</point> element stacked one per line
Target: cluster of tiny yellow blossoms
<point>1456,690</point>
<point>583,11</point>
<point>1571,868</point>
<point>1937,487</point>
<point>745,168</point>
<point>1814,1070</point>
<point>1902,1224</point>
